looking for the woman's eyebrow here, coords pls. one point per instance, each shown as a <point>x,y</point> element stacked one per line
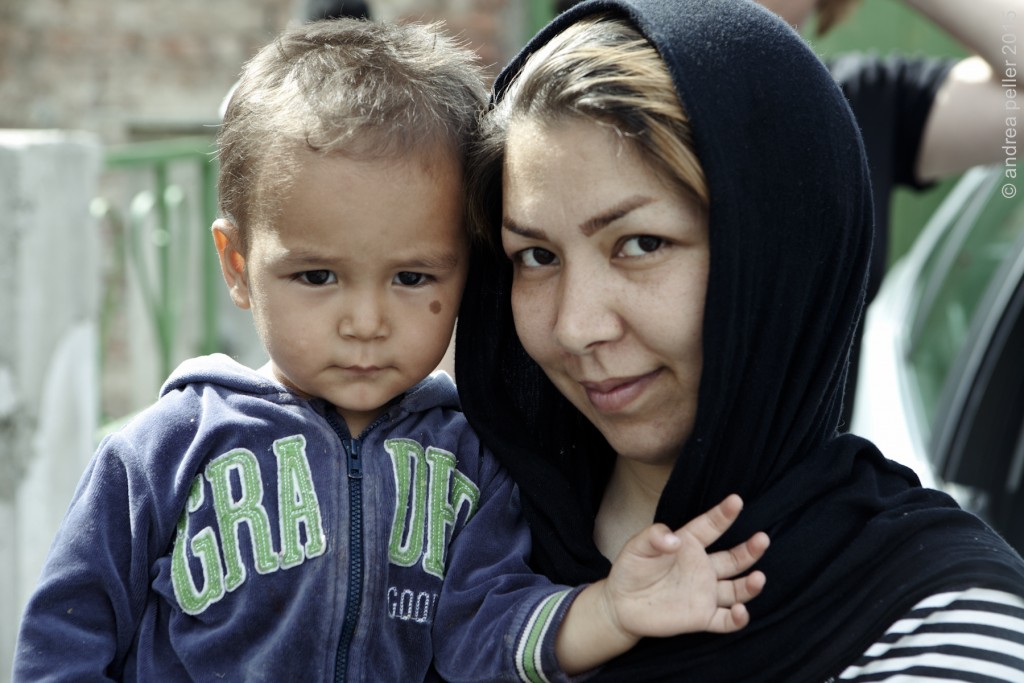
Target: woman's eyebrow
<point>603,219</point>
<point>531,233</point>
<point>587,227</point>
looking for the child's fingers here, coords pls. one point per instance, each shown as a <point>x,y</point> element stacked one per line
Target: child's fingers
<point>709,527</point>
<point>740,558</point>
<point>741,590</point>
<point>657,539</point>
<point>729,619</point>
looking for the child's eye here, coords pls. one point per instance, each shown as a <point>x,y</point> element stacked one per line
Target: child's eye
<point>535,257</point>
<point>408,278</point>
<point>317,278</point>
<point>640,245</point>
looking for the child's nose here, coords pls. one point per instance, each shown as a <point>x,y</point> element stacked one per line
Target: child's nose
<point>364,318</point>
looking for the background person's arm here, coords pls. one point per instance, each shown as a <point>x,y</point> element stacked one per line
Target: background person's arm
<point>967,122</point>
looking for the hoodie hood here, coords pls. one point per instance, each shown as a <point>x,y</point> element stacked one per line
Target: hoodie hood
<point>434,391</point>
<point>855,541</point>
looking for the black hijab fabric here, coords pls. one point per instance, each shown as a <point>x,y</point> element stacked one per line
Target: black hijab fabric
<point>855,540</point>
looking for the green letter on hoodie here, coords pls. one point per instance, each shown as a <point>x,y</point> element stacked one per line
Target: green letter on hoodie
<point>246,509</point>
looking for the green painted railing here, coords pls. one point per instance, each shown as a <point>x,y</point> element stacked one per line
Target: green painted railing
<point>154,232</point>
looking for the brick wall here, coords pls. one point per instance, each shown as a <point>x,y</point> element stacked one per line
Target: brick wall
<point>134,69</point>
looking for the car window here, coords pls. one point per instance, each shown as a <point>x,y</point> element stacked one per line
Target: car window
<point>953,284</point>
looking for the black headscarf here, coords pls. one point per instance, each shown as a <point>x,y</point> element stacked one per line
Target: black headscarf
<point>855,540</point>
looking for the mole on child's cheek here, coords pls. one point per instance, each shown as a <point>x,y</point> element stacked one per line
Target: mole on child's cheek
<point>435,307</point>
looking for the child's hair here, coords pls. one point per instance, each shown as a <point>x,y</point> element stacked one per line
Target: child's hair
<point>600,69</point>
<point>362,89</point>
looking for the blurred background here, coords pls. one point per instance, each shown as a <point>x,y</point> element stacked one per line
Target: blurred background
<point>108,277</point>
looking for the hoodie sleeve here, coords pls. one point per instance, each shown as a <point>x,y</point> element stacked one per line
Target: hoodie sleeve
<point>82,619</point>
<point>497,620</point>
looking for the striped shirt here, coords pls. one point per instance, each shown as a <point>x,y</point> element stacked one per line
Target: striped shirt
<point>975,635</point>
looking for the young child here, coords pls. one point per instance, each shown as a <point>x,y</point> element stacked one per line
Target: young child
<point>331,515</point>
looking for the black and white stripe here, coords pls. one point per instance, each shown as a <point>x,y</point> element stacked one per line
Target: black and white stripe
<point>971,635</point>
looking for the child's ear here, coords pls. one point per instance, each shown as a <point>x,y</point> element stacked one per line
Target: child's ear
<point>232,261</point>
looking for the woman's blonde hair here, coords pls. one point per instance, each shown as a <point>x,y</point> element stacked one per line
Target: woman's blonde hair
<point>600,69</point>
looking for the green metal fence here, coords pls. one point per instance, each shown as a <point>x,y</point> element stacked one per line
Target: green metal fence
<point>157,207</point>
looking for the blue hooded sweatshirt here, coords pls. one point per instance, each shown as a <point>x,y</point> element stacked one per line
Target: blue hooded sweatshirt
<point>236,532</point>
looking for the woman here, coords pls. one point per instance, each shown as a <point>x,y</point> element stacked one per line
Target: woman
<point>663,315</point>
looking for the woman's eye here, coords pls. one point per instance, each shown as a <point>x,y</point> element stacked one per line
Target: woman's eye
<point>409,279</point>
<point>317,277</point>
<point>535,257</point>
<point>643,244</point>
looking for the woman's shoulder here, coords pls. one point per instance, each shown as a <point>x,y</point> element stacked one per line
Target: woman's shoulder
<point>971,634</point>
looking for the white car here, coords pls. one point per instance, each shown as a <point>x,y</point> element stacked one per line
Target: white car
<point>941,383</point>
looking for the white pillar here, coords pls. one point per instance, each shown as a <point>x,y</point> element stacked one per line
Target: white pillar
<point>49,386</point>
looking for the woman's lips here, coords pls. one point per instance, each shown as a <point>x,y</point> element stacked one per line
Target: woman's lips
<point>613,395</point>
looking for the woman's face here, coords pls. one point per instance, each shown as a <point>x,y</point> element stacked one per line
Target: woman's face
<point>610,271</point>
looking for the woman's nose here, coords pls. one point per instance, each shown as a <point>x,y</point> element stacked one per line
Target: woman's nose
<point>363,317</point>
<point>587,311</point>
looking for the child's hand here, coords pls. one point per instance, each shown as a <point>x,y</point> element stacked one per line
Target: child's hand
<point>665,583</point>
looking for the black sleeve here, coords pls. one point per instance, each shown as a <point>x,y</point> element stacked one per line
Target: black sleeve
<point>891,98</point>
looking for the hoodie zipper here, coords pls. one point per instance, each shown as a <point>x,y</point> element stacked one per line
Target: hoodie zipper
<point>353,600</point>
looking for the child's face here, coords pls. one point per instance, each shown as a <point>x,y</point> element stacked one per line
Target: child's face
<point>355,288</point>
